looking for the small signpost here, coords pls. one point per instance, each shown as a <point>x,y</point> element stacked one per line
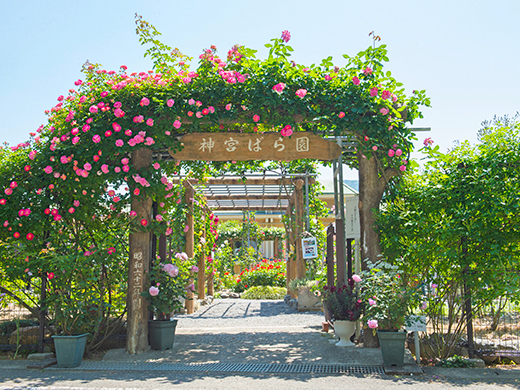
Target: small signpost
<point>309,248</point>
<point>416,324</point>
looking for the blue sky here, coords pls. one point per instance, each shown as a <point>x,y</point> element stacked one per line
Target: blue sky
<point>463,53</point>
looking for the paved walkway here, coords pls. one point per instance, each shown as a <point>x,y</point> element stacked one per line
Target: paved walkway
<point>250,331</point>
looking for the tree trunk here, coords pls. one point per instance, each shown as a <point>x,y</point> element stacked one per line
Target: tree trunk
<point>372,184</point>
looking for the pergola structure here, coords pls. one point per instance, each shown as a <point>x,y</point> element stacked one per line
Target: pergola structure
<point>268,192</point>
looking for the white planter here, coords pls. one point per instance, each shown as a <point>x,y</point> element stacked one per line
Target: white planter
<point>344,330</point>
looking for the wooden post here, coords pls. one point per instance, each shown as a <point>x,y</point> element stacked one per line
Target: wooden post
<point>190,244</point>
<point>330,256</point>
<point>291,269</point>
<point>349,258</point>
<point>299,226</point>
<point>275,251</point>
<point>138,265</point>
<point>43,310</point>
<point>201,275</point>
<point>162,248</point>
<point>340,253</point>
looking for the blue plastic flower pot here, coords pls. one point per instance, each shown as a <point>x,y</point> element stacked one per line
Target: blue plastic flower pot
<point>161,334</point>
<point>392,347</point>
<point>70,349</point>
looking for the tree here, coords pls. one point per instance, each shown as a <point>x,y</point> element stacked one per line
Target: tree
<point>456,226</point>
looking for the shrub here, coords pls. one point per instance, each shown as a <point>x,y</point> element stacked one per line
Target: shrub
<point>9,327</point>
<point>264,292</point>
<point>455,361</point>
<point>265,273</point>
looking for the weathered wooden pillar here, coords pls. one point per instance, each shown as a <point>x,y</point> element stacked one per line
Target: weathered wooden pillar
<point>138,264</point>
<point>190,244</point>
<point>201,275</point>
<point>330,256</point>
<point>299,228</point>
<point>290,237</point>
<point>340,252</point>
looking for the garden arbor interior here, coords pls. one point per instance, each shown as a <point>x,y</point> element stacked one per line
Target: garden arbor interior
<point>141,243</point>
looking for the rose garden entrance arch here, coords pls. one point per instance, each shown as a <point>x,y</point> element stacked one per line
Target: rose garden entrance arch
<point>213,147</point>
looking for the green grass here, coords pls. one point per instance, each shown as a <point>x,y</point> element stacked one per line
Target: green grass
<point>264,292</point>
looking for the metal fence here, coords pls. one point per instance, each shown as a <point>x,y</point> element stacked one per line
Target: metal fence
<point>497,331</point>
<point>21,330</point>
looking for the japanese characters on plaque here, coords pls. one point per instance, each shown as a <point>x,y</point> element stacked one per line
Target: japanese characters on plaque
<point>255,144</point>
<point>138,278</point>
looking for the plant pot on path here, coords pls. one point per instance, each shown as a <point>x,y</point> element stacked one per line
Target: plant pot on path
<point>392,347</point>
<point>70,349</point>
<point>344,330</point>
<point>162,334</point>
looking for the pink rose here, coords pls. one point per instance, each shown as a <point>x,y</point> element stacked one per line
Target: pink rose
<point>144,102</point>
<point>355,80</point>
<point>386,95</point>
<point>356,278</point>
<point>372,324</point>
<point>154,291</point>
<point>256,118</point>
<point>170,102</point>
<point>149,122</point>
<point>286,35</point>
<point>279,87</point>
<point>301,93</point>
<point>177,124</point>
<point>286,131</point>
<point>374,91</point>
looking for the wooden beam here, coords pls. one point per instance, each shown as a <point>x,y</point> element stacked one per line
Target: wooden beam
<point>245,197</point>
<point>251,208</point>
<point>239,181</point>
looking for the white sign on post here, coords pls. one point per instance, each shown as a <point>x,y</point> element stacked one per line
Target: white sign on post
<point>352,224</point>
<point>309,248</point>
<point>416,324</point>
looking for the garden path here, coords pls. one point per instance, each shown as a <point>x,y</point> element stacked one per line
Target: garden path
<point>251,331</point>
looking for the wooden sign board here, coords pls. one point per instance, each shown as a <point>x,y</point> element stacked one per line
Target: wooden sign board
<point>255,146</point>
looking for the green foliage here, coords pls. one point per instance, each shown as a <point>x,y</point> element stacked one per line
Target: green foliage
<point>455,361</point>
<point>266,273</point>
<point>264,292</point>
<point>342,302</point>
<point>168,286</point>
<point>8,327</point>
<point>390,295</point>
<point>457,223</point>
<point>296,283</point>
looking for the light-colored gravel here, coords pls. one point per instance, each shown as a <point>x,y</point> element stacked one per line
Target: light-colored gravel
<point>242,313</point>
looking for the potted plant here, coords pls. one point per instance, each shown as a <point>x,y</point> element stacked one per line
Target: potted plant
<point>391,297</point>
<point>307,298</point>
<point>72,306</point>
<point>345,308</point>
<point>165,296</point>
<point>71,319</point>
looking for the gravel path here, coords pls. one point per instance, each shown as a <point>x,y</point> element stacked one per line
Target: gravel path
<point>243,314</point>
